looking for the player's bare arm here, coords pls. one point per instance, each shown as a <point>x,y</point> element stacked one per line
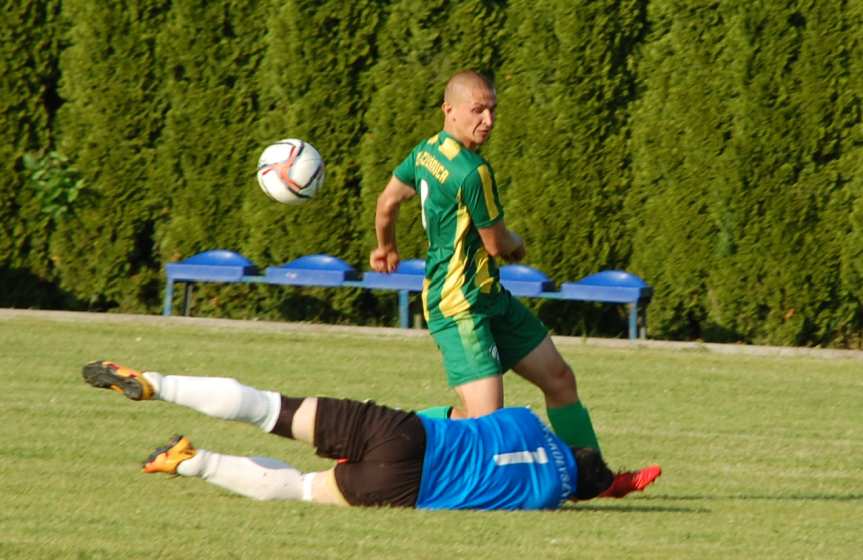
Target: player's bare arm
<point>385,257</point>
<point>499,241</point>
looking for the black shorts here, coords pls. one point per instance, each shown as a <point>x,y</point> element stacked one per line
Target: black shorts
<point>384,449</point>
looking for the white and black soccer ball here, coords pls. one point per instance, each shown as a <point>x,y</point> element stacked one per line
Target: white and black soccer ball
<point>290,171</point>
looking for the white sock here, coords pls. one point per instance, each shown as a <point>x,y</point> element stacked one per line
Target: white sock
<point>220,397</point>
<point>259,478</point>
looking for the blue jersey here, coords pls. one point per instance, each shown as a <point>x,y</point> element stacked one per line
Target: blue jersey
<point>506,460</point>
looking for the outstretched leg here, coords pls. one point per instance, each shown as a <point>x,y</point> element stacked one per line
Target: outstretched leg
<point>219,397</point>
<point>259,478</point>
<point>255,477</point>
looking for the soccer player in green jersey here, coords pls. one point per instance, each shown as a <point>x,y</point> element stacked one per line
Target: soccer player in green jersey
<point>481,330</point>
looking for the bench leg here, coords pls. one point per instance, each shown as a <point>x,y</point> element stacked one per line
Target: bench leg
<point>187,299</point>
<point>404,309</point>
<point>642,334</point>
<point>168,302</point>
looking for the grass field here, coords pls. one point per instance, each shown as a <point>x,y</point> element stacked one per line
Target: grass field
<point>762,456</point>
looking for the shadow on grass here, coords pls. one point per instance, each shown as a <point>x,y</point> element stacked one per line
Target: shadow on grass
<point>641,507</point>
<point>745,497</point>
<point>621,507</point>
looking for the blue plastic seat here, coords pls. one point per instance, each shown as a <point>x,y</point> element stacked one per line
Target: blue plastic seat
<point>407,276</point>
<point>612,286</point>
<point>522,280</point>
<point>312,270</point>
<point>218,265</point>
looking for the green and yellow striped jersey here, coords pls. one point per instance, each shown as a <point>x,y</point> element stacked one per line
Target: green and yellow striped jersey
<point>458,194</point>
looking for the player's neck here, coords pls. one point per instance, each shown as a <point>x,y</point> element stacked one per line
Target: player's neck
<point>472,146</point>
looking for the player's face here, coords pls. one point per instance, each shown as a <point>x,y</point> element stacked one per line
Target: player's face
<point>470,117</point>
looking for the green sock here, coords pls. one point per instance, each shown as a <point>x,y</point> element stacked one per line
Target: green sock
<point>436,412</point>
<point>572,424</point>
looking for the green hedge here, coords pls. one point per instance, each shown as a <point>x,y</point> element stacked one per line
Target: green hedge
<point>746,164</point>
<point>560,149</point>
<point>110,125</point>
<point>31,40</point>
<point>715,149</point>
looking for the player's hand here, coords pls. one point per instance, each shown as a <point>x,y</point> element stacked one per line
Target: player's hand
<point>384,260</point>
<point>517,254</point>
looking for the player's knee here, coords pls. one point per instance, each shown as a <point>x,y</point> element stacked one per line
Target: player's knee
<point>561,381</point>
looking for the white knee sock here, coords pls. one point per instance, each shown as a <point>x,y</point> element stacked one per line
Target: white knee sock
<point>219,397</point>
<point>258,478</point>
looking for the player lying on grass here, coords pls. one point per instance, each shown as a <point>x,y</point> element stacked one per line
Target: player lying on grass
<point>506,460</point>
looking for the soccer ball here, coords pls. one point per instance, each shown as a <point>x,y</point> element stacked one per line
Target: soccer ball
<point>290,171</point>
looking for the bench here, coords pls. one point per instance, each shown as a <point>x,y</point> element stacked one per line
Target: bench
<point>223,266</point>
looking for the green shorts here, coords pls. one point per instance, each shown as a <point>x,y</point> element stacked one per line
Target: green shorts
<point>477,345</point>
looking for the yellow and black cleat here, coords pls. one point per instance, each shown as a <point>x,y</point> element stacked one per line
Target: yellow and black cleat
<point>125,380</point>
<point>167,458</point>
